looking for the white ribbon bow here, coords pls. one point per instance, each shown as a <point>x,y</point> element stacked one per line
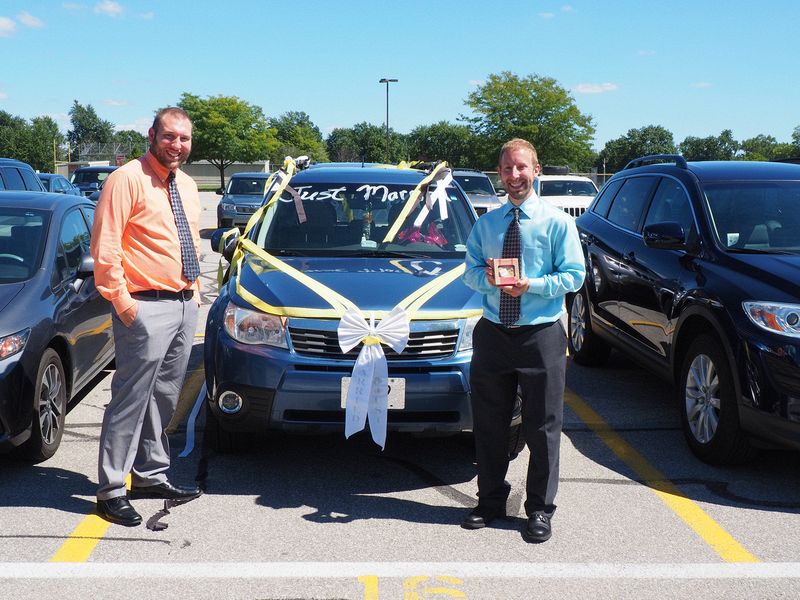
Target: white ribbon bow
<point>368,394</point>
<point>439,195</point>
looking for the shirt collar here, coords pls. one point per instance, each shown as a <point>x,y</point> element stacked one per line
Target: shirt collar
<point>160,170</point>
<point>527,207</point>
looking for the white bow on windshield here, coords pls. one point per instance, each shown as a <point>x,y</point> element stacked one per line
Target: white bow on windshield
<point>368,394</point>
<point>436,196</point>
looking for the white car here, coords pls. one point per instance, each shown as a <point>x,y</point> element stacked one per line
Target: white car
<point>571,193</point>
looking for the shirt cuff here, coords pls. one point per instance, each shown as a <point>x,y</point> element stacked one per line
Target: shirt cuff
<point>536,285</point>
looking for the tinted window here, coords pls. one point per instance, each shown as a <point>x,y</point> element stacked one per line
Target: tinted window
<point>670,203</point>
<point>475,184</point>
<point>74,239</point>
<point>629,203</point>
<point>22,236</point>
<point>567,188</point>
<point>606,196</point>
<point>247,185</point>
<point>31,180</point>
<point>13,179</point>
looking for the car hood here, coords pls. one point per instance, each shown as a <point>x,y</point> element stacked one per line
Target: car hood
<point>244,199</point>
<point>372,284</point>
<point>485,199</point>
<point>778,270</point>
<point>9,291</point>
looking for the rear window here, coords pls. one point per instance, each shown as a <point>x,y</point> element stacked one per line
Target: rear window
<point>22,236</point>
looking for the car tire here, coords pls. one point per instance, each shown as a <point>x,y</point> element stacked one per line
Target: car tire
<point>49,405</point>
<point>709,410</point>
<point>585,347</point>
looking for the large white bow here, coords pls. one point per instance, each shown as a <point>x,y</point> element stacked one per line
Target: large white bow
<point>368,394</point>
<point>439,195</point>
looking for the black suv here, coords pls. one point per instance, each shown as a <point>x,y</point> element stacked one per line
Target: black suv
<point>17,175</point>
<point>693,269</point>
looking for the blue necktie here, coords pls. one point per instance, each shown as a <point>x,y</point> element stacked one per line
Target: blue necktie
<point>509,305</point>
<point>191,267</point>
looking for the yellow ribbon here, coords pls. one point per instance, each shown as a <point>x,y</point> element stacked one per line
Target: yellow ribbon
<point>412,201</point>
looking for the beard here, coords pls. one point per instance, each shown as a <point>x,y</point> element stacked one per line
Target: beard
<point>166,159</point>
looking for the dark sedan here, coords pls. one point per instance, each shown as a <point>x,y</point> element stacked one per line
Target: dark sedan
<point>693,270</point>
<point>55,328</point>
<point>58,184</point>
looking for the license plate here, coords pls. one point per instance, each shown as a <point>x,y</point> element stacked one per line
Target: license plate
<point>397,392</point>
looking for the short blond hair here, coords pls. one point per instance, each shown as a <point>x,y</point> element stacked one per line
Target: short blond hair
<point>518,144</point>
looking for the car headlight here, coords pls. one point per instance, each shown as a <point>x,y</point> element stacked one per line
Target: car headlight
<point>775,317</point>
<point>14,343</point>
<point>228,206</point>
<point>466,337</point>
<point>254,327</point>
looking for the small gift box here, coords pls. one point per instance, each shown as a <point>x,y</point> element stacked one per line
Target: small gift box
<point>506,271</point>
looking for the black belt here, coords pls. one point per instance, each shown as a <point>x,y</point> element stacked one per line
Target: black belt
<point>166,294</point>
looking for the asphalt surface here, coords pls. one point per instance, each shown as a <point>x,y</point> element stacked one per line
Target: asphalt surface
<point>325,517</point>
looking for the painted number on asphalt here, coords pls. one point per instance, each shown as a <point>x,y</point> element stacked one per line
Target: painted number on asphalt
<point>412,589</point>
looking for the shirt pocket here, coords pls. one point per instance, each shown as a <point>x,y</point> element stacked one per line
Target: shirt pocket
<point>537,257</point>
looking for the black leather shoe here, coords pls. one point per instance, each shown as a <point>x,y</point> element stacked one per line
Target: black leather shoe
<point>481,516</point>
<point>538,529</point>
<point>119,510</point>
<point>165,490</point>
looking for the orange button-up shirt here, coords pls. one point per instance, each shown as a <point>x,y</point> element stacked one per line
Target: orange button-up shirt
<point>134,238</point>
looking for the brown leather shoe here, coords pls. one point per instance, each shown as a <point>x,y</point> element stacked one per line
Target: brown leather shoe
<point>119,510</point>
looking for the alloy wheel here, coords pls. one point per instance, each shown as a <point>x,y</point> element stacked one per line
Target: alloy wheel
<point>50,408</point>
<point>702,398</point>
<point>577,321</point>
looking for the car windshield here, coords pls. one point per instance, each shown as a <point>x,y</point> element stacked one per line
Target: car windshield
<point>251,186</point>
<point>756,216</point>
<point>473,184</point>
<point>22,236</point>
<point>89,176</point>
<point>353,219</point>
<point>567,188</point>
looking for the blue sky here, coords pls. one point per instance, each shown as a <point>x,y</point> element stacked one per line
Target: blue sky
<point>694,67</point>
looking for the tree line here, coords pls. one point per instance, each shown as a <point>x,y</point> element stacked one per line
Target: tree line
<point>228,129</point>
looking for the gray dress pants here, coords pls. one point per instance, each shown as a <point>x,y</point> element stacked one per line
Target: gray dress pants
<point>151,358</point>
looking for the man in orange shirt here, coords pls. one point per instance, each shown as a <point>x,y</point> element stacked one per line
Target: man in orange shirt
<point>145,244</point>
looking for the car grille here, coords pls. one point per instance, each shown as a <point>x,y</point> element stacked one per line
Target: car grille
<point>246,210</point>
<point>421,345</point>
<point>574,211</point>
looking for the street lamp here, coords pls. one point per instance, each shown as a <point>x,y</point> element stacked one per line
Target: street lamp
<point>387,82</point>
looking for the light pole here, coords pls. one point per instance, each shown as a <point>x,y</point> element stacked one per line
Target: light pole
<point>387,82</point>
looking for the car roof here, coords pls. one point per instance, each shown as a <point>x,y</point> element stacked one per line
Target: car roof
<point>98,168</point>
<point>13,162</point>
<point>40,200</point>
<point>356,173</point>
<point>48,175</point>
<point>465,171</point>
<point>563,178</point>
<point>727,170</point>
<point>260,174</point>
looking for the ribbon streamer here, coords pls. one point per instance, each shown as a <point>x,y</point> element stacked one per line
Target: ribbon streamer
<point>368,394</point>
<point>436,196</point>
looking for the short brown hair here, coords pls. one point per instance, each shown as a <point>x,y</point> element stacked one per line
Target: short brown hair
<point>169,110</point>
<point>518,144</point>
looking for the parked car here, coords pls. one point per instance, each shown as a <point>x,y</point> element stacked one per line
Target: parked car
<point>58,184</point>
<point>570,193</point>
<point>272,355</point>
<point>479,189</point>
<point>693,270</point>
<point>497,184</point>
<point>240,199</point>
<point>55,328</point>
<point>17,175</point>
<point>89,179</point>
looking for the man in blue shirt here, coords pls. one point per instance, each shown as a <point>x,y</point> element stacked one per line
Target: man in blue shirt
<point>520,340</point>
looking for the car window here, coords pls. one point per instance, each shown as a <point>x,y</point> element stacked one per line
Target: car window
<point>670,203</point>
<point>32,182</point>
<point>247,185</point>
<point>567,187</point>
<point>761,215</point>
<point>13,179</point>
<point>475,184</point>
<point>74,242</point>
<point>607,194</point>
<point>22,236</point>
<point>629,203</point>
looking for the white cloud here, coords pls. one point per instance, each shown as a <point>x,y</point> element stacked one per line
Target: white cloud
<point>111,102</point>
<point>73,6</point>
<point>476,82</point>
<point>567,8</point>
<point>148,16</point>
<point>7,27</point>
<point>595,88</point>
<point>702,84</point>
<point>142,125</point>
<point>29,20</point>
<point>547,15</point>
<point>108,7</point>
<point>3,95</point>
<point>646,52</point>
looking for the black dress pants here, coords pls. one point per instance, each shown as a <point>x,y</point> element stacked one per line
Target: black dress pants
<point>532,357</point>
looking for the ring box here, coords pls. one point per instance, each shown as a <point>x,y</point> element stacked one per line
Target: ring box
<point>506,271</point>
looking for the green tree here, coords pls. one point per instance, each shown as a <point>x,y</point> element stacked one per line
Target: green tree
<point>13,133</point>
<point>721,147</point>
<point>760,147</point>
<point>297,136</point>
<point>45,144</point>
<point>366,142</point>
<point>87,127</point>
<point>443,141</point>
<point>534,108</point>
<point>132,142</point>
<point>227,130</point>
<point>651,139</point>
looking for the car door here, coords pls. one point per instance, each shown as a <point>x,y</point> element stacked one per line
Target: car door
<point>82,315</point>
<point>658,277</point>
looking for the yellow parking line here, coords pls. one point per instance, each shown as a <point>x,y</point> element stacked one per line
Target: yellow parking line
<point>80,544</point>
<point>695,517</point>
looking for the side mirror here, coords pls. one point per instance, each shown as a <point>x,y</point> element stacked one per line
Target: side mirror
<point>228,237</point>
<point>85,270</point>
<point>668,235</point>
<point>220,191</point>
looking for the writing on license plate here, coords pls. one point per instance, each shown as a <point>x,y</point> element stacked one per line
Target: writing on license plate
<point>397,392</point>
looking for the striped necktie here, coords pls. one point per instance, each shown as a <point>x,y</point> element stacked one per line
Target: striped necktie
<point>509,305</point>
<point>191,267</point>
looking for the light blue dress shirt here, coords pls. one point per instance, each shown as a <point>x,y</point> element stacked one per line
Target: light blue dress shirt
<point>552,259</point>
